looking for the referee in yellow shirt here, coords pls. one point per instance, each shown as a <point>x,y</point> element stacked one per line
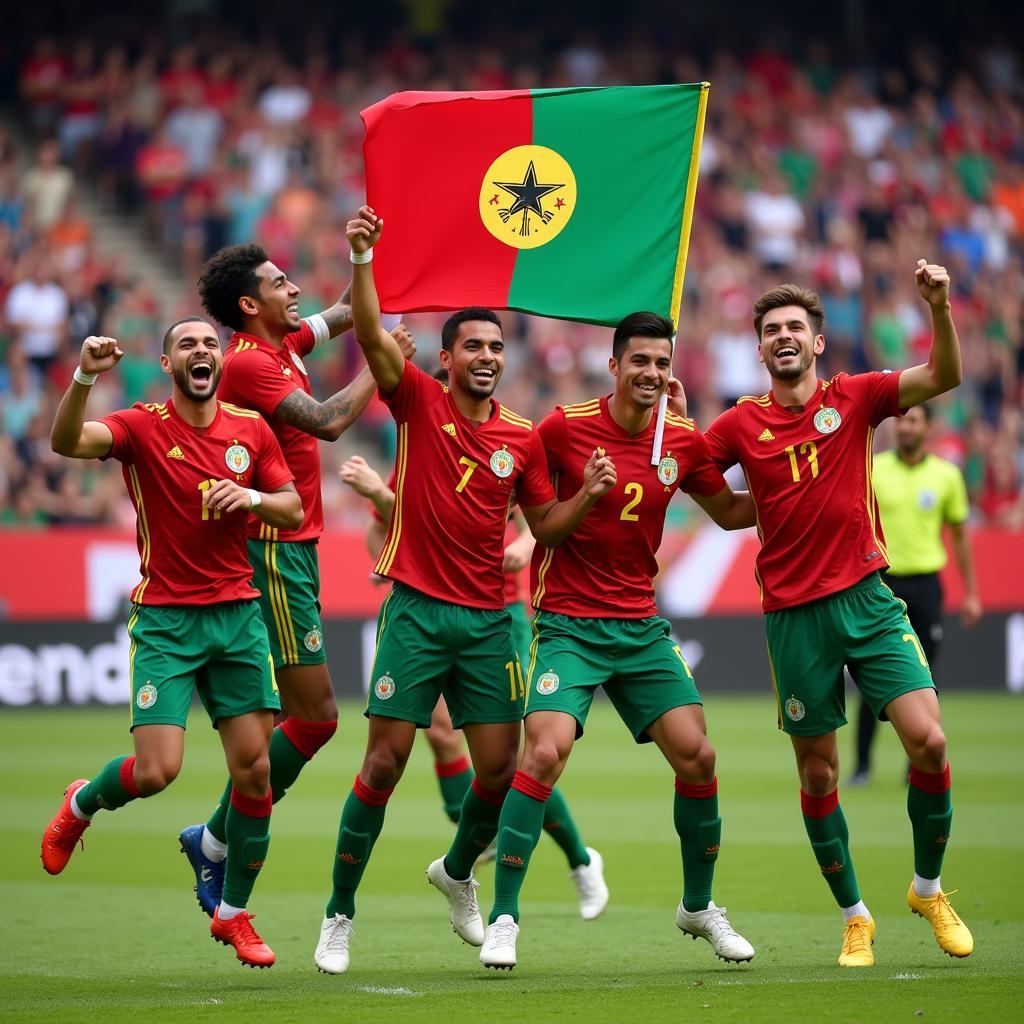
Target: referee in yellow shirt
<point>917,494</point>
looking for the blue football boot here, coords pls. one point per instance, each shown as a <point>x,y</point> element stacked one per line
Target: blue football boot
<point>209,873</point>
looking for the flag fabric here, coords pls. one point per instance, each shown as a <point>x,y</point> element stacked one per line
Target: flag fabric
<point>571,203</point>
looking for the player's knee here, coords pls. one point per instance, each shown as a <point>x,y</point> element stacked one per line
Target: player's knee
<point>704,762</point>
<point>153,777</point>
<point>819,776</point>
<point>543,761</point>
<point>383,766</point>
<point>931,749</point>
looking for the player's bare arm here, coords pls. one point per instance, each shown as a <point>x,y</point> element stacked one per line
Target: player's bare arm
<point>731,510</point>
<point>518,552</point>
<point>339,316</point>
<point>970,609</point>
<point>367,482</point>
<point>281,508</point>
<point>944,370</point>
<point>383,354</point>
<point>330,418</point>
<point>551,523</point>
<point>71,435</point>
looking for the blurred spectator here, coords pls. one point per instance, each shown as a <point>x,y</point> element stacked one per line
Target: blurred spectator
<point>46,187</point>
<point>37,312</point>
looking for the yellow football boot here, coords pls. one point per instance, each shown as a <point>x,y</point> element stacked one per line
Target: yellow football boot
<point>952,935</point>
<point>857,939</point>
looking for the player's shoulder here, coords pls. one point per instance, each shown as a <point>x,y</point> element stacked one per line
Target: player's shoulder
<point>237,412</point>
<point>506,415</point>
<point>149,411</point>
<point>672,419</point>
<point>580,410</point>
<point>748,402</point>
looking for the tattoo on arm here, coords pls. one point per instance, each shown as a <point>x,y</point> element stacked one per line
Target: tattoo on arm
<point>338,317</point>
<point>328,419</point>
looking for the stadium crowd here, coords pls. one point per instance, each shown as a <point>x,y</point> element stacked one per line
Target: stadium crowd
<point>832,173</point>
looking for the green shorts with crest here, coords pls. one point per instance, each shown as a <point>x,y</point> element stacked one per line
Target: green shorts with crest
<point>287,575</point>
<point>220,650</point>
<point>863,628</point>
<point>637,662</point>
<point>426,648</point>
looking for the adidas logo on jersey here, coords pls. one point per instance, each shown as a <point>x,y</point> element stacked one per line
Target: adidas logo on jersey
<point>175,453</point>
<point>766,435</point>
<point>448,428</point>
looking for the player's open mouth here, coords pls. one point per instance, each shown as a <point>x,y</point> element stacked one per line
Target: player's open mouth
<point>786,352</point>
<point>200,372</point>
<point>647,388</point>
<point>484,376</point>
<point>293,309</point>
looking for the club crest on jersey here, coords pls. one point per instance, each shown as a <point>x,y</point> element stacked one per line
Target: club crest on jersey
<point>313,640</point>
<point>547,683</point>
<point>927,500</point>
<point>146,697</point>
<point>795,709</point>
<point>503,463</point>
<point>237,458</point>
<point>827,420</point>
<point>668,470</point>
<point>298,364</point>
<point>384,688</point>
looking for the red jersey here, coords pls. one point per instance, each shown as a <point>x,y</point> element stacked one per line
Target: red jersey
<point>192,555</point>
<point>455,482</point>
<point>606,567</point>
<point>809,474</point>
<point>259,375</point>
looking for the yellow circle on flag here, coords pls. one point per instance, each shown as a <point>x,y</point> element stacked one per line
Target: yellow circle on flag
<point>527,196</point>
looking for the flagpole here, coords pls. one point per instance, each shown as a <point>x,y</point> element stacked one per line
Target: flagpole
<point>659,423</point>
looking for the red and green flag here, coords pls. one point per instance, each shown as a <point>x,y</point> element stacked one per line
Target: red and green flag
<point>570,203</point>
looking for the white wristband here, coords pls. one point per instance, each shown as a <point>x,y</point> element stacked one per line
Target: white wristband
<point>254,497</point>
<point>88,379</point>
<point>361,257</point>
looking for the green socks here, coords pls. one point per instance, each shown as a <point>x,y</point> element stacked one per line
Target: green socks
<point>453,779</point>
<point>931,814</point>
<point>362,818</point>
<point>559,825</point>
<point>519,829</point>
<point>830,840</point>
<point>700,834</point>
<point>478,825</point>
<point>248,835</point>
<point>112,788</point>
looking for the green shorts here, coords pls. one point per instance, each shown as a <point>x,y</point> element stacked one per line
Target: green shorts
<point>426,648</point>
<point>865,629</point>
<point>522,631</point>
<point>636,661</point>
<point>221,650</point>
<point>287,575</point>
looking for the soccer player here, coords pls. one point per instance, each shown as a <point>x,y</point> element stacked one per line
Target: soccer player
<point>452,766</point>
<point>263,370</point>
<point>463,460</point>
<point>805,448</point>
<point>597,625</point>
<point>194,468</point>
<point>917,494</point>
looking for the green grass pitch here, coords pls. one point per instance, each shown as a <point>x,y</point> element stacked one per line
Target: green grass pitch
<point>118,936</point>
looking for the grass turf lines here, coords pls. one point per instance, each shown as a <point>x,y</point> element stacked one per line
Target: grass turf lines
<point>118,936</point>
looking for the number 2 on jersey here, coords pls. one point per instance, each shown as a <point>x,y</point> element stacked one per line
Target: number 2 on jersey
<point>204,487</point>
<point>470,466</point>
<point>627,514</point>
<point>808,449</point>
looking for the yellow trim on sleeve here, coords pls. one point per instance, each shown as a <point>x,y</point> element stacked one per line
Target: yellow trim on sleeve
<point>390,549</point>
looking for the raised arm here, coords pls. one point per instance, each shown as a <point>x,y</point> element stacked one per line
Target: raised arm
<point>552,522</point>
<point>731,510</point>
<point>339,316</point>
<point>72,435</point>
<point>943,371</point>
<point>330,418</point>
<point>383,355</point>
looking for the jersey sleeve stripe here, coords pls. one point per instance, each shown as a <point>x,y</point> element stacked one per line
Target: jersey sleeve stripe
<point>513,418</point>
<point>318,325</point>
<point>235,410</point>
<point>869,475</point>
<point>583,414</point>
<point>764,400</point>
<point>387,555</point>
<point>594,403</point>
<point>143,528</point>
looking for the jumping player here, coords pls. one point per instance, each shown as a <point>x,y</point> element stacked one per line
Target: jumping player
<point>805,448</point>
<point>263,370</point>
<point>597,625</point>
<point>194,467</point>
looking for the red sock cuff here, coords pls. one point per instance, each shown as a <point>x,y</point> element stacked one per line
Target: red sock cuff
<point>697,790</point>
<point>252,806</point>
<point>818,806</point>
<point>308,737</point>
<point>449,768</point>
<point>127,772</point>
<point>490,796</point>
<point>531,787</point>
<point>369,796</point>
<point>930,782</point>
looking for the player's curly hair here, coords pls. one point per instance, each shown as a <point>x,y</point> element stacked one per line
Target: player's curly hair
<point>226,276</point>
<point>790,295</point>
<point>640,325</point>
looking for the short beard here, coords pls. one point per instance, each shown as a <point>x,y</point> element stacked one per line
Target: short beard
<point>184,382</point>
<point>790,374</point>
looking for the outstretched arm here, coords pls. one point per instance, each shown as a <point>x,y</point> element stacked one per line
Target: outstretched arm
<point>383,356</point>
<point>732,510</point>
<point>330,418</point>
<point>553,522</point>
<point>71,434</point>
<point>943,371</point>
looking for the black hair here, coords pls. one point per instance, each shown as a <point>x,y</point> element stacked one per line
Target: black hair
<point>226,276</point>
<point>184,320</point>
<point>640,325</point>
<point>456,320</point>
